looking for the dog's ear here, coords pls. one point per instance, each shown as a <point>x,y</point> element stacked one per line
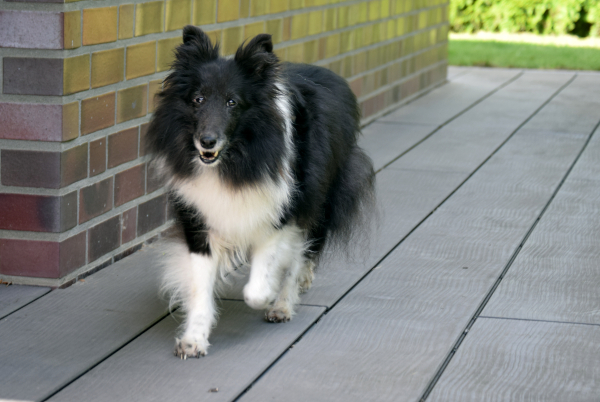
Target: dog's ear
<point>193,33</point>
<point>195,37</point>
<point>257,56</point>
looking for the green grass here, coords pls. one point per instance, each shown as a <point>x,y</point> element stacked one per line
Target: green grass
<point>521,55</point>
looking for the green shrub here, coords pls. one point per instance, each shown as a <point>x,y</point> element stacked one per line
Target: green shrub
<point>592,8</point>
<point>538,16</point>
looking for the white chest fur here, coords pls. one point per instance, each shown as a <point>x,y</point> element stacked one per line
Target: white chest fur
<point>236,215</point>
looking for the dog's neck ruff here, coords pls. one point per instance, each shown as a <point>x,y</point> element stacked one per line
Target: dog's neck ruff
<point>241,216</point>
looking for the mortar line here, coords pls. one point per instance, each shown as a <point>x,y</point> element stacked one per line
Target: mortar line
<point>492,290</point>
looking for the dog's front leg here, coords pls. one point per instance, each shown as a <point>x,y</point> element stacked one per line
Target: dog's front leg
<point>273,280</point>
<point>265,274</point>
<point>199,306</point>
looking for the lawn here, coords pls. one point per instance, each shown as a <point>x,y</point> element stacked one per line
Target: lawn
<point>522,55</point>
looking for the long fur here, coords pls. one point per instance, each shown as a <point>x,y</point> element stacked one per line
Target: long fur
<point>262,163</point>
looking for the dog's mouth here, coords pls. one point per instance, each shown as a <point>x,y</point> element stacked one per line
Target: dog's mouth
<point>209,157</point>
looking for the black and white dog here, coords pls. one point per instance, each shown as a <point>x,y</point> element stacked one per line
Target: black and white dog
<point>263,168</point>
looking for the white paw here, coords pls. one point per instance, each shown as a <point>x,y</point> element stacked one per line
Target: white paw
<point>258,298</point>
<point>190,347</point>
<point>278,315</point>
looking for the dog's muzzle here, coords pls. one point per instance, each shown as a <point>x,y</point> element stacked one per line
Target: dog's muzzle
<point>208,151</point>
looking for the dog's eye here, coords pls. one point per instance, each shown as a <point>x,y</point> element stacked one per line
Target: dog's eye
<point>231,103</point>
<point>199,100</point>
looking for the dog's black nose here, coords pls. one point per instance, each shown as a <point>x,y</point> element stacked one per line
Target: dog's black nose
<point>208,141</point>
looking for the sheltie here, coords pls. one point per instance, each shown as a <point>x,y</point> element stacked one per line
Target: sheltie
<point>263,169</point>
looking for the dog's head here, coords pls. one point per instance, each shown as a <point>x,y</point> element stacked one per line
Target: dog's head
<point>218,112</point>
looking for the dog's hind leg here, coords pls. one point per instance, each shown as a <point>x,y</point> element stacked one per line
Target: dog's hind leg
<point>306,276</point>
<point>192,281</point>
<point>283,308</point>
<point>298,277</point>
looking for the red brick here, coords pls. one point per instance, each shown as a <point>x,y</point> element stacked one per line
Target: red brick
<point>97,156</point>
<point>143,144</point>
<point>151,214</point>
<point>73,165</point>
<point>30,168</point>
<point>97,113</point>
<point>42,259</point>
<point>411,86</point>
<point>379,102</point>
<point>44,169</point>
<point>29,258</point>
<point>31,29</point>
<point>72,253</point>
<point>368,107</point>
<point>130,184</point>
<point>25,121</point>
<point>356,86</point>
<point>122,147</point>
<point>104,238</point>
<point>95,200</point>
<point>396,94</point>
<point>170,211</point>
<point>68,212</point>
<point>153,180</point>
<point>128,225</point>
<point>32,76</point>
<point>38,213</point>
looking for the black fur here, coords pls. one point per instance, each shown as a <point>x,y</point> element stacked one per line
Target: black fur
<point>334,177</point>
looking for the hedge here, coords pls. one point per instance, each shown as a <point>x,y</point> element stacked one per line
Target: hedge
<point>580,17</point>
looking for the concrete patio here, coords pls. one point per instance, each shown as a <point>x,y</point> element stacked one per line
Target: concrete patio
<point>480,284</point>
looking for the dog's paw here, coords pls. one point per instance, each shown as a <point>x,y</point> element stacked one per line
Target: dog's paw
<point>189,347</point>
<point>305,279</point>
<point>278,315</point>
<point>258,298</point>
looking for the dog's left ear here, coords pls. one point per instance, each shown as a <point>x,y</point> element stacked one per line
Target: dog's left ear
<point>257,56</point>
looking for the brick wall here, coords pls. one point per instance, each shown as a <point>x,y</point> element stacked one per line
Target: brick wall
<point>78,79</point>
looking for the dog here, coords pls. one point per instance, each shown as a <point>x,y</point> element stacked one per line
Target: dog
<point>263,169</point>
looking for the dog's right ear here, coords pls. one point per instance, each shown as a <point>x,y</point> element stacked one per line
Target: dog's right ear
<point>192,33</point>
<point>194,36</point>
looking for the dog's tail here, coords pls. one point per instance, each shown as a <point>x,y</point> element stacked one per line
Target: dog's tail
<point>352,208</point>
